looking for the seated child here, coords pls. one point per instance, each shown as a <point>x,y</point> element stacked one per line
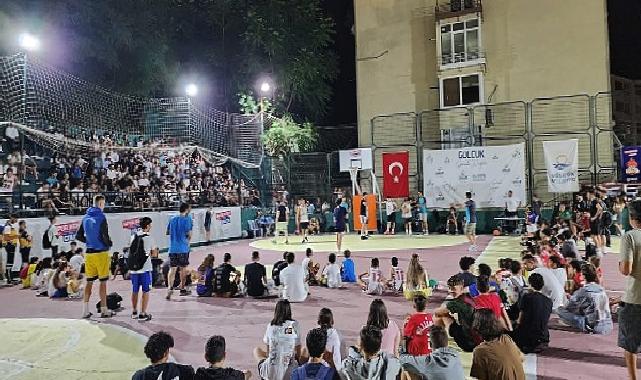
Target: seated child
<point>310,268</point>
<point>205,285</point>
<point>332,273</point>
<point>372,281</point>
<point>348,270</point>
<point>58,281</point>
<point>416,329</point>
<point>397,277</point>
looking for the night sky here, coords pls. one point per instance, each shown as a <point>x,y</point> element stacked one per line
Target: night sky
<point>624,22</point>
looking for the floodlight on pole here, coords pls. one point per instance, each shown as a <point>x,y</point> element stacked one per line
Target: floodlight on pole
<point>191,90</point>
<point>29,42</point>
<point>265,88</point>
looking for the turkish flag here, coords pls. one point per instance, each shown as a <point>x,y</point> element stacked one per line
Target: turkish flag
<point>396,181</point>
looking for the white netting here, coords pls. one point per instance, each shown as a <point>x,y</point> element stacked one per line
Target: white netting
<point>57,110</point>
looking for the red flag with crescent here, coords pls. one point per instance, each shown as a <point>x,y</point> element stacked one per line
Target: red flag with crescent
<point>396,183</point>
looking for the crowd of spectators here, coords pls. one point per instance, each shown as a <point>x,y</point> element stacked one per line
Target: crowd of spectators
<point>132,179</point>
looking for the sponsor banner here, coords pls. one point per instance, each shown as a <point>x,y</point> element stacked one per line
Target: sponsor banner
<point>630,172</point>
<point>223,217</point>
<point>562,164</point>
<point>67,231</point>
<point>132,225</point>
<point>396,183</point>
<point>489,172</point>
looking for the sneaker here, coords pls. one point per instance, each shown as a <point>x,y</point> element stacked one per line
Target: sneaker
<point>108,314</point>
<point>184,292</point>
<point>87,316</point>
<point>170,292</point>
<point>134,315</point>
<point>144,317</point>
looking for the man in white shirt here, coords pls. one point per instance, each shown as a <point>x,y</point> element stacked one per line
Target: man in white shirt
<point>293,280</point>
<point>141,278</point>
<point>53,237</point>
<point>332,273</point>
<point>552,288</point>
<point>512,205</point>
<point>390,210</point>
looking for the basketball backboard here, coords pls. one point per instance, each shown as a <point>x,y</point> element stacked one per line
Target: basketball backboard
<point>357,158</point>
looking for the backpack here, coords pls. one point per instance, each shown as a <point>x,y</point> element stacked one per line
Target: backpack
<point>300,373</point>
<point>607,218</point>
<point>113,302</point>
<point>46,242</point>
<point>137,256</point>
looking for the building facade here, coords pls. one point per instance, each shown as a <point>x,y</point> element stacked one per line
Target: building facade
<point>626,109</point>
<point>416,55</point>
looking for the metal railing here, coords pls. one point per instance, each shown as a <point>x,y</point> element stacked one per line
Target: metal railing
<point>455,8</point>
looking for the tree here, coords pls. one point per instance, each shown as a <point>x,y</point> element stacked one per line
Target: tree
<point>286,136</point>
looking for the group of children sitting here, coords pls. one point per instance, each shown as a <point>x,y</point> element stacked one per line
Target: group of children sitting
<point>54,278</point>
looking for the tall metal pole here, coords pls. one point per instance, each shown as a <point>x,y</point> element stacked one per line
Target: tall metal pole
<point>25,119</point>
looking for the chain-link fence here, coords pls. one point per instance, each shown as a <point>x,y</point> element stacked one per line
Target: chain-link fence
<point>583,117</point>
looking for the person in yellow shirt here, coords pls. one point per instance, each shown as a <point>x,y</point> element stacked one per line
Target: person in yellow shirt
<point>25,240</point>
<point>27,275</point>
<point>11,237</point>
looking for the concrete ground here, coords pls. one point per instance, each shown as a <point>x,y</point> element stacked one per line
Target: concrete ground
<point>191,320</point>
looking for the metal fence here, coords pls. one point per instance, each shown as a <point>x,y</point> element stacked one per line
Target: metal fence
<point>583,117</point>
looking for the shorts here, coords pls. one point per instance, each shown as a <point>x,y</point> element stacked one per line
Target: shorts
<point>281,226</point>
<point>630,327</point>
<point>97,266</point>
<point>304,225</point>
<point>180,260</point>
<point>340,228</point>
<point>363,219</point>
<point>596,228</point>
<point>470,228</point>
<point>139,280</point>
<point>391,218</point>
<point>422,216</point>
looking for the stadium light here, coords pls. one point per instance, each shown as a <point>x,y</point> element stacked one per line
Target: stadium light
<point>191,90</point>
<point>29,42</point>
<point>265,87</point>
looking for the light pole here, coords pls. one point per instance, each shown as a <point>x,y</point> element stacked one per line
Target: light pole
<point>27,42</point>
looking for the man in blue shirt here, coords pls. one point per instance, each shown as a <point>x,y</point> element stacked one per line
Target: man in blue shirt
<point>470,219</point>
<point>179,231</point>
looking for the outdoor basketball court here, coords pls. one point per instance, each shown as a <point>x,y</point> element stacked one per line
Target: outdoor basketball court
<point>35,348</point>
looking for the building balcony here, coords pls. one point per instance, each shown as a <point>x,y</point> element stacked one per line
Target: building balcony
<point>462,59</point>
<point>456,8</point>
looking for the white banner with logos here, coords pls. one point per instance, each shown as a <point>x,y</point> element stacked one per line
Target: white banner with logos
<point>489,172</point>
<point>225,224</point>
<point>562,164</point>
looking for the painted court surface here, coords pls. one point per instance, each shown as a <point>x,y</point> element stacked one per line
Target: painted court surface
<point>42,338</point>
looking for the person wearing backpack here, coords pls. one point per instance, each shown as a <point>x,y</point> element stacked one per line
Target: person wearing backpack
<point>315,368</point>
<point>141,250</point>
<point>50,239</point>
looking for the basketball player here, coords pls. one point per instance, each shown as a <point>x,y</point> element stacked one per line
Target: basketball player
<point>390,210</point>
<point>421,202</point>
<point>340,213</point>
<point>364,216</point>
<point>282,219</point>
<point>302,218</point>
<point>470,219</point>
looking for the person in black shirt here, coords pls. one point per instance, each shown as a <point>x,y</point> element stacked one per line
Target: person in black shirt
<point>277,268</point>
<point>223,285</point>
<point>465,263</point>
<point>157,350</point>
<point>215,355</point>
<point>532,334</point>
<point>363,215</point>
<point>255,277</point>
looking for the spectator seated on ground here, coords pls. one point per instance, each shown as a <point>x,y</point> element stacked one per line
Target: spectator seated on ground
<point>484,270</point>
<point>205,286</point>
<point>368,362</point>
<point>215,354</point>
<point>497,357</point>
<point>589,307</point>
<point>226,278</point>
<point>157,350</point>
<point>465,263</point>
<point>443,363</point>
<point>461,306</point>
<point>531,333</point>
<point>255,280</point>
<point>315,368</point>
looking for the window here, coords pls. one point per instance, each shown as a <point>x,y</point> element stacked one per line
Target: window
<point>459,91</point>
<point>460,42</point>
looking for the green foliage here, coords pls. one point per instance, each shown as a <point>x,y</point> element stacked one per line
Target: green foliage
<point>249,105</point>
<point>286,136</point>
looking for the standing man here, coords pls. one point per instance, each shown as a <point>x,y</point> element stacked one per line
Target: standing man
<point>390,210</point>
<point>179,231</point>
<point>470,219</point>
<point>302,218</point>
<point>421,203</point>
<point>94,232</point>
<point>282,219</point>
<point>363,215</point>
<point>340,213</point>
<point>630,310</point>
<point>512,205</point>
<point>141,278</point>
<point>10,239</point>
<point>208,216</point>
<point>52,234</point>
